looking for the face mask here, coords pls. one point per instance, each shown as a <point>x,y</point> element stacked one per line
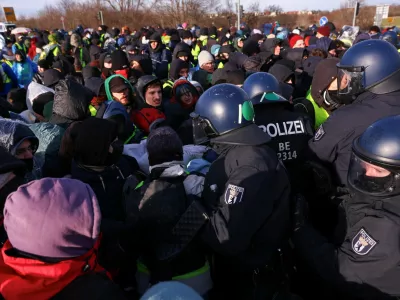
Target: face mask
<point>29,163</point>
<point>228,35</point>
<point>124,73</point>
<point>144,41</point>
<point>114,156</point>
<point>88,36</point>
<point>188,42</point>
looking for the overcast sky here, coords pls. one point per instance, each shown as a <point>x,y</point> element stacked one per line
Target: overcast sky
<point>29,7</point>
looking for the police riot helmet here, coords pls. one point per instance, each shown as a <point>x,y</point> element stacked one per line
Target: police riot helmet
<point>224,114</point>
<point>375,162</point>
<point>263,88</point>
<point>371,65</point>
<point>391,37</point>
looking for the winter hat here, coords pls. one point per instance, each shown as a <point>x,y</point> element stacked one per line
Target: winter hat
<point>170,290</point>
<point>51,77</point>
<point>251,47</point>
<point>198,86</point>
<point>40,101</point>
<point>117,85</point>
<point>119,60</point>
<point>235,77</point>
<point>325,72</point>
<point>53,218</point>
<point>44,64</point>
<point>293,40</point>
<point>186,35</point>
<point>205,57</point>
<point>204,31</point>
<point>226,49</point>
<point>176,66</point>
<point>184,25</point>
<point>75,40</point>
<point>164,145</point>
<point>324,30</point>
<point>256,31</point>
<point>215,49</point>
<point>155,37</point>
<point>253,64</point>
<point>95,84</point>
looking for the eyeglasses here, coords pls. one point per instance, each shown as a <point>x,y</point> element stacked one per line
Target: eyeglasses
<point>21,151</point>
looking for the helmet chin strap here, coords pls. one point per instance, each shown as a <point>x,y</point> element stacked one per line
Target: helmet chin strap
<point>329,101</point>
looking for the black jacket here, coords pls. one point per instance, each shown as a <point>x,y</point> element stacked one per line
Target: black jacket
<point>362,263</point>
<point>246,193</point>
<point>290,132</point>
<point>162,201</point>
<point>333,140</point>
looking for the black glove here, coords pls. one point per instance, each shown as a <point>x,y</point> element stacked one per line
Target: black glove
<point>300,212</point>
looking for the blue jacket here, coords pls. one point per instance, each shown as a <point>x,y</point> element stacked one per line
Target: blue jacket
<point>160,61</point>
<point>24,71</point>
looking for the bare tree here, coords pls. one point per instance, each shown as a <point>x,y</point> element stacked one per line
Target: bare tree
<point>275,8</point>
<point>230,6</point>
<point>124,5</point>
<point>254,7</point>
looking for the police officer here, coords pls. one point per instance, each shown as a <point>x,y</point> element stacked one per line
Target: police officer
<point>369,249</point>
<point>246,193</point>
<point>369,72</point>
<point>290,131</point>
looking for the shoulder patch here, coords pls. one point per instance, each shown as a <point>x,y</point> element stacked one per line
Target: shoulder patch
<point>319,134</point>
<point>233,194</point>
<point>362,242</point>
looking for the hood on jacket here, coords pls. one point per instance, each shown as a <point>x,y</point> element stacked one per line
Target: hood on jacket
<point>71,102</point>
<point>176,66</point>
<point>94,52</point>
<point>155,37</point>
<point>183,88</point>
<point>13,133</point>
<point>311,63</point>
<point>295,55</point>
<point>34,91</point>
<point>181,47</point>
<point>116,112</point>
<point>269,45</point>
<point>281,72</point>
<point>144,62</point>
<point>68,231</point>
<point>323,43</point>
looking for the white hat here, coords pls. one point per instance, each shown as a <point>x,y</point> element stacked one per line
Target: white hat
<point>205,57</point>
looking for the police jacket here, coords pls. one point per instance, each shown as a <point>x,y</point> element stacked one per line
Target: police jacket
<point>246,193</point>
<point>290,132</point>
<point>332,141</point>
<point>162,201</point>
<point>366,254</point>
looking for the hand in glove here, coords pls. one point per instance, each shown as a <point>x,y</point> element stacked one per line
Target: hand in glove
<point>300,212</point>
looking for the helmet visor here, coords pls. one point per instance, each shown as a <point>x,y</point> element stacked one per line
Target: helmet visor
<point>202,130</point>
<point>350,81</point>
<point>369,178</point>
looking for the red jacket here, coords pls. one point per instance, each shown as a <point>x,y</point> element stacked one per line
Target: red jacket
<point>24,278</point>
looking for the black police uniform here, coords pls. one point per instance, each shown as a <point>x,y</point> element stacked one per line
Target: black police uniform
<point>332,141</point>
<point>364,265</point>
<point>247,193</point>
<point>290,132</point>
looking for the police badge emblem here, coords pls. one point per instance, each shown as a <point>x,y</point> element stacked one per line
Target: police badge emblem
<point>319,134</point>
<point>363,243</point>
<point>233,194</point>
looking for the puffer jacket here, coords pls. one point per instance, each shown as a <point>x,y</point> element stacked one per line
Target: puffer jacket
<point>160,58</point>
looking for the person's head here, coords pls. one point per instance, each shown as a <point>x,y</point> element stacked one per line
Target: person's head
<point>206,61</point>
<point>19,141</point>
<point>120,63</point>
<point>67,228</point>
<point>178,69</point>
<point>318,52</point>
<point>375,166</point>
<point>43,65</point>
<point>187,37</point>
<point>95,143</point>
<point>185,93</point>
<point>296,41</point>
<point>120,91</point>
<point>20,56</point>
<point>164,145</point>
<point>107,64</point>
<point>153,94</point>
<point>17,99</point>
<point>374,30</point>
<point>51,77</point>
<point>155,41</point>
<point>323,31</point>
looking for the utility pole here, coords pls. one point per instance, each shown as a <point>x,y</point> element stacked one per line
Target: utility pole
<point>101,17</point>
<point>356,11</point>
<point>238,14</point>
